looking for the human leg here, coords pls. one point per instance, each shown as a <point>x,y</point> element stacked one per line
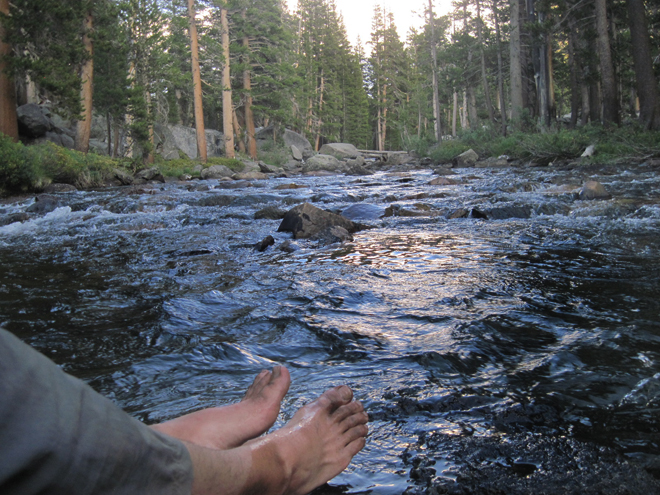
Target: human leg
<point>316,445</point>
<point>231,426</point>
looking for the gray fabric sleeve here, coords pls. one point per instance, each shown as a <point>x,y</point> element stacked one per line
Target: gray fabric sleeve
<point>58,436</point>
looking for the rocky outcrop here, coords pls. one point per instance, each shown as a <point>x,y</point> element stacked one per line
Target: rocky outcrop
<point>33,121</point>
<point>292,138</point>
<point>305,221</point>
<point>173,138</point>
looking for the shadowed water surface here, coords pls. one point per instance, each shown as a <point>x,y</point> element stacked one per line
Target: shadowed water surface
<point>518,355</point>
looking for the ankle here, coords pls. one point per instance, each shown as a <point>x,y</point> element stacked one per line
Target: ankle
<point>272,466</point>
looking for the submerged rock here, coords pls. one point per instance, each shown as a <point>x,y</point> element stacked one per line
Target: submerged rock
<point>593,190</point>
<point>364,211</point>
<point>306,221</point>
<point>264,244</point>
<point>442,181</point>
<point>522,464</point>
<point>332,235</point>
<point>44,203</point>
<point>269,213</point>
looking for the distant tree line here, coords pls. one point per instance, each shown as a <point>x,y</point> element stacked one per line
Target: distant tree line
<point>236,65</point>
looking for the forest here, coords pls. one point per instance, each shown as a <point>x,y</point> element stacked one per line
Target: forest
<point>532,66</point>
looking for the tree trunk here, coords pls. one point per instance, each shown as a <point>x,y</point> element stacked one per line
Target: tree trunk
<point>149,158</point>
<point>484,76</point>
<point>500,69</point>
<point>516,65</point>
<point>454,116</point>
<point>84,126</point>
<point>8,119</point>
<point>197,84</point>
<point>247,87</point>
<point>586,103</point>
<point>115,148</point>
<point>595,102</point>
<point>434,61</point>
<point>227,113</point>
<point>608,79</point>
<point>108,126</point>
<point>647,86</point>
<point>383,128</point>
<point>473,118</point>
<point>574,74</point>
<point>319,123</point>
<point>238,132</point>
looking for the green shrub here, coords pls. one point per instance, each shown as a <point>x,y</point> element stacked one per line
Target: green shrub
<point>17,170</point>
<point>178,167</point>
<point>73,167</point>
<point>448,150</point>
<point>231,163</point>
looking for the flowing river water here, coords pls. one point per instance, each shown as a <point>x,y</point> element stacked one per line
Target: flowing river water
<point>519,355</point>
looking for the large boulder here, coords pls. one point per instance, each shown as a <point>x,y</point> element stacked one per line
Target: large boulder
<point>33,121</point>
<point>466,159</point>
<point>215,172</point>
<point>185,139</point>
<point>341,151</point>
<point>166,145</point>
<point>306,221</point>
<point>292,138</point>
<point>323,162</point>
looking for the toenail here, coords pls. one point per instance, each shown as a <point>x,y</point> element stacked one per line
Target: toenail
<point>346,392</point>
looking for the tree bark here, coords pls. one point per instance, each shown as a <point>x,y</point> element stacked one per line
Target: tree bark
<point>516,65</point>
<point>197,84</point>
<point>434,60</point>
<point>319,123</point>
<point>249,117</point>
<point>8,119</point>
<point>454,116</point>
<point>227,113</point>
<point>484,76</point>
<point>574,74</point>
<point>608,79</point>
<point>647,85</point>
<point>84,126</point>
<point>500,69</point>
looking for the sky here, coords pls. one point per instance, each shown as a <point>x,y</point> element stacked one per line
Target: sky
<point>358,15</point>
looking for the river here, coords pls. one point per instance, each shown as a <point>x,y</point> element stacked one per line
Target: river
<point>519,355</point>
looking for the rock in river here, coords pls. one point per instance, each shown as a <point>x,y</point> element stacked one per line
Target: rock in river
<point>306,221</point>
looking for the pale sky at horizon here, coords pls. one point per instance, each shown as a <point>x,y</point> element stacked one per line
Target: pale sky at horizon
<point>358,15</point>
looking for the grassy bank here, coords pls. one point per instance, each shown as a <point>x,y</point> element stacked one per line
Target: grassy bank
<point>615,145</point>
<point>32,168</point>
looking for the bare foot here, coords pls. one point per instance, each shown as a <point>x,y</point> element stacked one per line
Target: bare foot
<point>231,426</point>
<point>317,444</point>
